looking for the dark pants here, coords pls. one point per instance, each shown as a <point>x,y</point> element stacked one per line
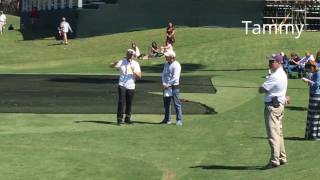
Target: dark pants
<point>125,99</point>
<point>177,105</point>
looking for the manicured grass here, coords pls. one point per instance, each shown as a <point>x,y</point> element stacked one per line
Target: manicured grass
<point>227,145</point>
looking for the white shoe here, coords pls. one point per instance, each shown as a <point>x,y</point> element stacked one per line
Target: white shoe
<point>179,123</point>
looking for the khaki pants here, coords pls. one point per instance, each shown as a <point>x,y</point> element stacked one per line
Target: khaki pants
<point>273,120</point>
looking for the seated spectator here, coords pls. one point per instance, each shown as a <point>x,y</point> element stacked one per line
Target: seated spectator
<point>167,47</point>
<point>10,28</point>
<point>291,64</point>
<point>318,58</point>
<point>155,51</point>
<point>301,64</point>
<point>137,51</point>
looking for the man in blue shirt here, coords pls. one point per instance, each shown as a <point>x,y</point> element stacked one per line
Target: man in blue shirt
<point>170,82</point>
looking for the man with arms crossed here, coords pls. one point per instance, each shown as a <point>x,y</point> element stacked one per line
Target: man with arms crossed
<point>275,88</point>
<point>129,72</point>
<point>170,82</point>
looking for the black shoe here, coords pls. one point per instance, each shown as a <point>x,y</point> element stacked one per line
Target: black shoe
<point>163,122</point>
<point>283,162</point>
<point>128,121</point>
<point>119,121</point>
<point>270,166</point>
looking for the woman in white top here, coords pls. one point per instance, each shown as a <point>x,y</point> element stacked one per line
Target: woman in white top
<point>64,28</point>
<point>167,48</point>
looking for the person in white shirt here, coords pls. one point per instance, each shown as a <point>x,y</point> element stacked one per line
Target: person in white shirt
<point>136,49</point>
<point>275,88</point>
<point>167,47</point>
<point>129,72</point>
<point>3,20</point>
<point>64,28</point>
<point>170,82</point>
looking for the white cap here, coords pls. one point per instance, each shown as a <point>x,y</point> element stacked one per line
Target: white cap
<point>170,54</point>
<point>131,51</point>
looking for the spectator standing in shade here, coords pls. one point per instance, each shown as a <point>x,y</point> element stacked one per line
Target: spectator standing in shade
<point>171,30</point>
<point>129,72</point>
<point>65,28</point>
<point>34,15</point>
<point>170,82</point>
<point>313,117</point>
<point>3,21</point>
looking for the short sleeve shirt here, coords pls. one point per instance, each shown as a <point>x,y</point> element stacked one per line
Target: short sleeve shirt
<point>127,70</point>
<point>3,18</point>
<point>276,85</point>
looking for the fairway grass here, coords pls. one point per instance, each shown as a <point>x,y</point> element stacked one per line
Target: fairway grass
<point>228,145</point>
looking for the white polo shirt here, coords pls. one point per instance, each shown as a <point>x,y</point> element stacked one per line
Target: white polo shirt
<point>65,27</point>
<point>127,78</point>
<point>3,18</point>
<point>276,85</point>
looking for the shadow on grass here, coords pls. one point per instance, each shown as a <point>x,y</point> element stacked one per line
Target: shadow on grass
<point>97,122</point>
<point>186,68</point>
<point>285,138</point>
<point>296,108</point>
<point>93,80</point>
<point>224,167</point>
<point>295,139</point>
<point>244,87</point>
<point>143,122</point>
<point>114,123</point>
<point>249,69</point>
<point>56,44</point>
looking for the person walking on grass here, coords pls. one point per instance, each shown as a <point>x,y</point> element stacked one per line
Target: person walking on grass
<point>170,82</point>
<point>275,88</point>
<point>313,117</point>
<point>65,28</point>
<point>129,72</point>
<point>3,20</point>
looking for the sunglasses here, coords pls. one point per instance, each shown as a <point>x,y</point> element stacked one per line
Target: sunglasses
<point>271,61</point>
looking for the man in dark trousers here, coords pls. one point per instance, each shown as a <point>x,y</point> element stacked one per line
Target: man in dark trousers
<point>129,72</point>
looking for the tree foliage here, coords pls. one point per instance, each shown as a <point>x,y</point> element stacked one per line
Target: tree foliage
<point>10,6</point>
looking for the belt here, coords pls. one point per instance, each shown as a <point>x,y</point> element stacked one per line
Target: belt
<point>175,86</point>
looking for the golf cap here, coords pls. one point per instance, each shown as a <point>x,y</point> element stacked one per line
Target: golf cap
<point>131,51</point>
<point>275,57</point>
<point>170,54</point>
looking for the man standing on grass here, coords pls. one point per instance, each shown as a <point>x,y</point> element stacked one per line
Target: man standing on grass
<point>170,82</point>
<point>275,88</point>
<point>3,20</point>
<point>129,72</point>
